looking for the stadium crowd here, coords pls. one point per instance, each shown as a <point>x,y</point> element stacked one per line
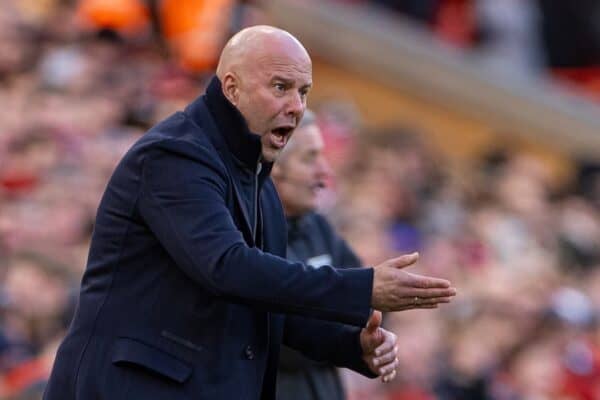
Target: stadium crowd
<point>560,39</point>
<point>523,251</point>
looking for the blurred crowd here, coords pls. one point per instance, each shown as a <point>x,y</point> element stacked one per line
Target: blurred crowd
<point>555,33</point>
<point>526,37</point>
<point>523,251</point>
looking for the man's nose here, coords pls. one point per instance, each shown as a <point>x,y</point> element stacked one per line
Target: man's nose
<point>323,168</point>
<point>296,105</point>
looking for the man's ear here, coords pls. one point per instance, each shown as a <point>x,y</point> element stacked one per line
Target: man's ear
<point>230,85</point>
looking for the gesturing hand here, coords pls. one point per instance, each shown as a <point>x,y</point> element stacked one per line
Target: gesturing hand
<point>396,290</point>
<point>379,348</point>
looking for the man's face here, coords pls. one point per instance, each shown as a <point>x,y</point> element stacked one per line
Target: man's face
<point>272,96</point>
<point>302,172</point>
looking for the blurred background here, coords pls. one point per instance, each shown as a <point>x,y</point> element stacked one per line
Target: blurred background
<point>468,130</point>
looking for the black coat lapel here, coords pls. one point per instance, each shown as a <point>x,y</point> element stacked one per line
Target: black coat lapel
<point>199,109</point>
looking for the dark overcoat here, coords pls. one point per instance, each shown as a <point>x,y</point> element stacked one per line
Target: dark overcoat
<point>186,289</point>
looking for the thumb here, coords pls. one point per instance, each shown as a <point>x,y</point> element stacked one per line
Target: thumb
<point>371,336</point>
<point>374,322</point>
<point>404,260</point>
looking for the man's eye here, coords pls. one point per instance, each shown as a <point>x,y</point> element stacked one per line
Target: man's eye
<point>280,87</point>
<point>309,159</point>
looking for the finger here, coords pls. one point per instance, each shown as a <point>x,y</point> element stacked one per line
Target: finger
<point>372,334</point>
<point>430,293</point>
<point>427,282</point>
<point>387,378</point>
<point>412,301</point>
<point>437,300</point>
<point>404,260</point>
<point>385,358</point>
<point>389,367</point>
<point>434,300</point>
<point>387,345</point>
<point>374,322</point>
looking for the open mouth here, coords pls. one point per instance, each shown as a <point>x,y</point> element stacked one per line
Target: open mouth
<point>317,186</point>
<point>280,135</point>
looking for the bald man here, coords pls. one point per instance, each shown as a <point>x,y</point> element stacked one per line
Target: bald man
<point>186,289</point>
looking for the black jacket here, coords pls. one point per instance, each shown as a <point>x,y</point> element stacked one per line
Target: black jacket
<point>312,240</point>
<point>182,298</point>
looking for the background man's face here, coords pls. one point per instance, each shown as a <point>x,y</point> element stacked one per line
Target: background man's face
<point>272,97</point>
<point>302,172</point>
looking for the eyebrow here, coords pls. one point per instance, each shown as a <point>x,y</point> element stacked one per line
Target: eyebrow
<point>282,79</point>
<point>289,81</point>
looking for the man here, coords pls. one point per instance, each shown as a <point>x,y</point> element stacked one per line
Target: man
<point>299,174</point>
<point>186,283</point>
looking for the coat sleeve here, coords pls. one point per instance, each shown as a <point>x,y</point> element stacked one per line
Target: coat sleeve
<point>182,200</point>
<point>336,343</point>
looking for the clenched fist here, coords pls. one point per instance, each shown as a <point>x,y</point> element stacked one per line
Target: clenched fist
<point>379,348</point>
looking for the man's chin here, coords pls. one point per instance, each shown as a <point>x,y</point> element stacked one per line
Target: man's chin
<point>270,154</point>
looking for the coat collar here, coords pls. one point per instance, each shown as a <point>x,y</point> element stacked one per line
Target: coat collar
<point>239,148</point>
<point>244,145</point>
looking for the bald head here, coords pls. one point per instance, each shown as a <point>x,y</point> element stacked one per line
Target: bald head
<point>253,42</point>
<point>266,73</point>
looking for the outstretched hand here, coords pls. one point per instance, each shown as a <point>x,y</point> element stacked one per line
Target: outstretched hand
<point>397,290</point>
<point>379,348</point>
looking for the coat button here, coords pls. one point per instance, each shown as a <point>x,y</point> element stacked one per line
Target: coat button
<point>249,352</point>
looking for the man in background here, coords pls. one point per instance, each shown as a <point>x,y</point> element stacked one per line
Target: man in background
<point>299,174</point>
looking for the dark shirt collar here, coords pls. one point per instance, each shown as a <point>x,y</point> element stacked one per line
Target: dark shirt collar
<point>243,144</point>
<point>299,225</point>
